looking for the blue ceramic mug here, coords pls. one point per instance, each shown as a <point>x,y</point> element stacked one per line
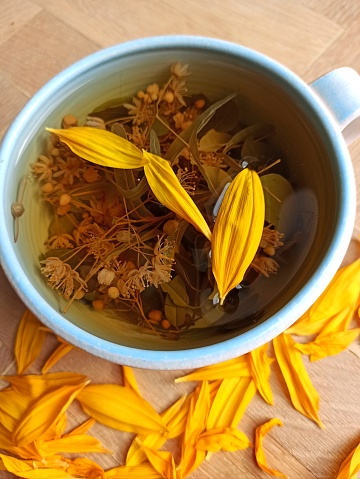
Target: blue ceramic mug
<point>312,122</point>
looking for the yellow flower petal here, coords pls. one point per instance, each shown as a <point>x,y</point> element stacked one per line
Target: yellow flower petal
<point>328,345</point>
<point>71,444</point>
<point>120,408</point>
<point>174,418</point>
<point>162,461</point>
<point>143,471</point>
<point>261,432</point>
<point>29,341</point>
<point>237,231</point>
<point>342,293</point>
<point>129,379</point>
<point>12,407</point>
<point>199,406</point>
<point>34,385</point>
<point>83,467</point>
<point>303,395</point>
<point>63,349</point>
<point>238,367</point>
<point>222,439</point>
<point>260,371</point>
<point>101,147</point>
<point>351,465</point>
<point>43,413</point>
<point>82,428</point>
<point>231,400</point>
<point>168,190</point>
<point>26,470</point>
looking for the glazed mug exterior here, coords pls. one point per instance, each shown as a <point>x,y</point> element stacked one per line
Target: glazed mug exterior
<point>309,121</point>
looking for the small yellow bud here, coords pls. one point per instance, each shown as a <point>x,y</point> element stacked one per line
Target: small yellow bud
<point>165,324</point>
<point>48,188</point>
<point>155,315</point>
<point>113,292</point>
<point>69,121</point>
<point>64,199</point>
<point>169,97</point>
<point>170,227</point>
<point>98,304</point>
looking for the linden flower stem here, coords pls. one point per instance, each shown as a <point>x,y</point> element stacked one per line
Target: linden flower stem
<point>269,166</point>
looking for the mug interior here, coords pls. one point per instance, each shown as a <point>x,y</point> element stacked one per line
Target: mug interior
<point>308,162</point>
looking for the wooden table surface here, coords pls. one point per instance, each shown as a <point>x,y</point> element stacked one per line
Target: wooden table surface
<point>38,38</point>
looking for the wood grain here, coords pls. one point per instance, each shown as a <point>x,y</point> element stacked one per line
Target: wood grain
<point>39,38</point>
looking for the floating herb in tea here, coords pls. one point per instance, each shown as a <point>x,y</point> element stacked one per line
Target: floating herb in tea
<point>163,208</point>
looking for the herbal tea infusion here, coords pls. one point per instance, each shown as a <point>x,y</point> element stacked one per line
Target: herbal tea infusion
<point>163,207</point>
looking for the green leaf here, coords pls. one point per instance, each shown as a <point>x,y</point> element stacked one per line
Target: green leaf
<point>258,131</point>
<point>276,190</point>
<point>155,147</point>
<point>177,291</point>
<point>213,140</point>
<point>176,315</point>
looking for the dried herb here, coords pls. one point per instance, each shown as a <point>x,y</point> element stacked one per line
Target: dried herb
<point>136,187</point>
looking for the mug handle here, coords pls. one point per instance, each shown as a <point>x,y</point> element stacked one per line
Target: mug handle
<point>340,91</point>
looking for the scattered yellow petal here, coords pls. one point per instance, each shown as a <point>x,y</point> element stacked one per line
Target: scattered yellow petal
<point>82,428</point>
<point>162,461</point>
<point>342,292</point>
<point>238,367</point>
<point>237,231</point>
<point>120,408</point>
<point>141,471</point>
<point>329,345</point>
<point>261,432</point>
<point>34,385</point>
<point>168,190</point>
<point>29,341</point>
<point>63,349</point>
<point>72,444</point>
<point>222,439</point>
<point>231,400</point>
<point>260,364</point>
<point>174,419</point>
<point>83,467</point>
<point>304,396</point>
<point>351,465</point>
<point>26,470</point>
<point>43,413</point>
<point>101,147</point>
<point>129,379</point>
<point>199,407</point>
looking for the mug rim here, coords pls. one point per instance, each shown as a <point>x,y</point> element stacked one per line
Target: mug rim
<point>261,333</point>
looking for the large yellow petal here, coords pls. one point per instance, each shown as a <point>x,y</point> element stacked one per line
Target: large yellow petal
<point>231,400</point>
<point>261,432</point>
<point>222,439</point>
<point>142,471</point>
<point>169,192</point>
<point>342,292</point>
<point>72,444</point>
<point>120,408</point>
<point>26,470</point>
<point>162,461</point>
<point>101,147</point>
<point>174,418</point>
<point>351,465</point>
<point>43,413</point>
<point>329,345</point>
<point>29,341</point>
<point>260,364</point>
<point>303,395</point>
<point>199,407</point>
<point>237,231</point>
<point>34,385</point>
<point>237,367</point>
